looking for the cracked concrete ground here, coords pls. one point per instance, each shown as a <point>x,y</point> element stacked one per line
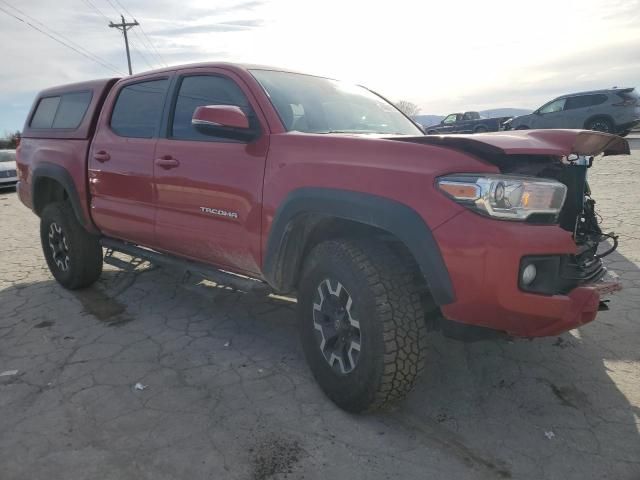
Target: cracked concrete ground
<point>228,394</point>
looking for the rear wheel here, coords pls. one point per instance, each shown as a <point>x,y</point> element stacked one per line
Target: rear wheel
<point>600,124</point>
<point>361,323</point>
<point>73,255</point>
<point>481,129</point>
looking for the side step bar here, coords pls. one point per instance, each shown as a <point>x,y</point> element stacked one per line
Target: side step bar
<point>206,271</point>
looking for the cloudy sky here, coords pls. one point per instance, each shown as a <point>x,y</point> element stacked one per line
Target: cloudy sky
<point>444,56</point>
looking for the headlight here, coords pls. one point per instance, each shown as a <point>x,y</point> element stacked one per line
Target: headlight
<point>506,197</point>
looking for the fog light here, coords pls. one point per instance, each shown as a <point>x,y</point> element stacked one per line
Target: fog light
<point>529,274</point>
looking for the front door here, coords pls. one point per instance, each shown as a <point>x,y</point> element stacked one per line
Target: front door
<point>550,115</point>
<point>121,161</point>
<point>209,188</point>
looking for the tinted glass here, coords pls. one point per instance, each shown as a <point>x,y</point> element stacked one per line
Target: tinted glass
<point>320,105</point>
<point>45,112</point>
<point>72,109</point>
<point>199,91</point>
<point>138,109</point>
<point>583,101</point>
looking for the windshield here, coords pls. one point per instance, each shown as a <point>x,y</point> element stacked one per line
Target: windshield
<point>320,105</point>
<point>7,155</point>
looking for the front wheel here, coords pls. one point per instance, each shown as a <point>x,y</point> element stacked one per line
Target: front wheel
<point>362,323</point>
<point>73,255</point>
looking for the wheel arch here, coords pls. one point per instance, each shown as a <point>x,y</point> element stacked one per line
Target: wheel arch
<point>309,215</point>
<point>52,183</point>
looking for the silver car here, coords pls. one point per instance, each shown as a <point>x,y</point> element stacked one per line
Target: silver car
<point>8,173</point>
<point>612,111</point>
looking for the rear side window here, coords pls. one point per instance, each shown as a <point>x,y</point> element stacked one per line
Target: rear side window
<point>582,101</point>
<point>72,109</point>
<point>138,109</point>
<point>63,111</point>
<point>201,90</point>
<point>45,112</point>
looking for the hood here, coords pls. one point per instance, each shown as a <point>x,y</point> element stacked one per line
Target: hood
<point>529,142</point>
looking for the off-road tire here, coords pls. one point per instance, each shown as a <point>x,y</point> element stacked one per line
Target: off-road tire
<point>83,261</point>
<point>387,303</point>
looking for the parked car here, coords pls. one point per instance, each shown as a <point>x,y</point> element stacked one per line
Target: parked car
<point>615,110</point>
<point>467,122</point>
<point>268,180</point>
<point>8,174</point>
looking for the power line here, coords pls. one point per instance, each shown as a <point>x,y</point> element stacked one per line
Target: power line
<point>65,39</point>
<point>141,55</point>
<point>96,9</point>
<point>124,27</point>
<point>88,54</point>
<point>153,47</point>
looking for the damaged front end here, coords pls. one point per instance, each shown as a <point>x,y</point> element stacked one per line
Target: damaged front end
<point>565,156</point>
<point>559,274</point>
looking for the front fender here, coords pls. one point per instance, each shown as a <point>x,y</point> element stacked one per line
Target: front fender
<point>285,245</point>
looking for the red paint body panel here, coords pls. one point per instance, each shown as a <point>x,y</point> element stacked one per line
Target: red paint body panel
<point>156,192</point>
<point>401,171</point>
<point>531,142</point>
<point>223,115</point>
<point>483,258</point>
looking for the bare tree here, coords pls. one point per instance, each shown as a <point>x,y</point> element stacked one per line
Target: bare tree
<point>408,108</point>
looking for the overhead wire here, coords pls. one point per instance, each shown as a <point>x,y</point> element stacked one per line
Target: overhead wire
<point>57,37</point>
<point>150,43</point>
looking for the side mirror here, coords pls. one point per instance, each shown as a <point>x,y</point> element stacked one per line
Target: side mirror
<point>227,121</point>
<point>537,112</point>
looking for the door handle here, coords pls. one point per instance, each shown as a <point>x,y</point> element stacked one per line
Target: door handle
<point>102,156</point>
<point>167,162</point>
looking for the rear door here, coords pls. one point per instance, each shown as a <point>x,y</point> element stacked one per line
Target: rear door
<point>209,189</point>
<point>121,160</point>
<point>581,107</point>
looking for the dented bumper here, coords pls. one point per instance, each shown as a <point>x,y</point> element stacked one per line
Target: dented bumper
<point>483,257</point>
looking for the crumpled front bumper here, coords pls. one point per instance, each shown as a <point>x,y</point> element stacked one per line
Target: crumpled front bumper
<point>483,258</point>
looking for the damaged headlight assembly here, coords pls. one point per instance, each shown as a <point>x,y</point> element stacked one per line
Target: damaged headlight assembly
<point>507,197</point>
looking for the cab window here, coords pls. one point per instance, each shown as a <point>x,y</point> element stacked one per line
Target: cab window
<point>138,109</point>
<point>201,90</point>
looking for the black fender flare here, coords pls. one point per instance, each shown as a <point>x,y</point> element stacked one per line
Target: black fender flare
<point>285,245</point>
<point>60,175</point>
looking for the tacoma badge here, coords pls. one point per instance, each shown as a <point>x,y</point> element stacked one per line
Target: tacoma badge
<point>218,212</point>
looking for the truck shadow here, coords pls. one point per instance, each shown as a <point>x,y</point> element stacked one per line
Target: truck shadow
<point>547,408</point>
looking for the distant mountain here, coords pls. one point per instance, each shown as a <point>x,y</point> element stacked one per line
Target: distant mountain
<point>428,120</point>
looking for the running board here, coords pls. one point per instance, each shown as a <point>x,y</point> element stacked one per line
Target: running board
<point>188,266</point>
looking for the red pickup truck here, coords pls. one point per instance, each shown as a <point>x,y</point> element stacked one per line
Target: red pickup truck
<point>263,178</point>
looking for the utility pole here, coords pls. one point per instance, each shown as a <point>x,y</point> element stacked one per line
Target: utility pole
<point>124,26</point>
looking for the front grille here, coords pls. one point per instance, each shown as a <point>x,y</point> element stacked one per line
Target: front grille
<point>8,174</point>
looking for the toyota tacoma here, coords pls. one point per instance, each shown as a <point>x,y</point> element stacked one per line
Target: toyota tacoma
<point>277,181</point>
